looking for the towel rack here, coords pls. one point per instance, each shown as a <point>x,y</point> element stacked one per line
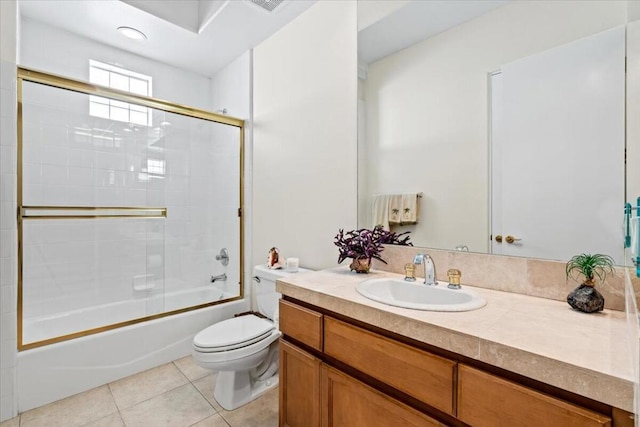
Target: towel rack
<point>393,194</point>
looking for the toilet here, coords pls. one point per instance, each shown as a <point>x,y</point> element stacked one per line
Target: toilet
<point>244,349</point>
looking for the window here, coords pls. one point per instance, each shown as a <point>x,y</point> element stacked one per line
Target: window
<point>119,78</point>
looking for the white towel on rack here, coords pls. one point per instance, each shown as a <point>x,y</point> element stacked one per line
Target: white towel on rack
<point>395,209</point>
<point>409,208</point>
<point>380,212</point>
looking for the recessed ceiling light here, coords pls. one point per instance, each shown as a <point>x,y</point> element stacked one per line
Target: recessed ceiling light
<point>132,33</point>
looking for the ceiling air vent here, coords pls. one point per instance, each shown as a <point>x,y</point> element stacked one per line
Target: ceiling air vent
<point>268,5</point>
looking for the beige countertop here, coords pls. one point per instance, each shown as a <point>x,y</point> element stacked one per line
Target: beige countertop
<point>543,339</point>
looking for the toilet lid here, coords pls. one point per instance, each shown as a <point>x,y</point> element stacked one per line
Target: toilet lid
<point>233,333</point>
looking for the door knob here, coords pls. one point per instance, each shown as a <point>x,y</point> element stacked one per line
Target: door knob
<point>510,239</point>
<point>498,238</point>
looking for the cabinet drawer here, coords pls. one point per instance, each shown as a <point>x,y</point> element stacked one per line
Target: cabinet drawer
<point>349,403</point>
<point>487,400</point>
<point>301,324</point>
<point>427,377</point>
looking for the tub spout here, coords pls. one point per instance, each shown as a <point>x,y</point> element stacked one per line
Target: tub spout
<point>222,277</point>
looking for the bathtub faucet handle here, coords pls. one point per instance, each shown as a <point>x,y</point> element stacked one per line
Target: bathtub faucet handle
<point>223,257</point>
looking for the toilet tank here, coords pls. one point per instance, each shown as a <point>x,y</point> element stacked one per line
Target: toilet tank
<point>265,288</point>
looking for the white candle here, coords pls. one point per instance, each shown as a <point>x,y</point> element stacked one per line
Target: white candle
<point>292,264</point>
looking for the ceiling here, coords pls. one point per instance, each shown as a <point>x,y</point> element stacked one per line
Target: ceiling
<point>205,35</point>
<point>391,25</point>
<point>198,35</point>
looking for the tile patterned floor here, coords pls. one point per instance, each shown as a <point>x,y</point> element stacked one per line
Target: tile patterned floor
<point>178,394</point>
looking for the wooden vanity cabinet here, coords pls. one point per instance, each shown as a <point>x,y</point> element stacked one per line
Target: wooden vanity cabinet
<point>334,373</point>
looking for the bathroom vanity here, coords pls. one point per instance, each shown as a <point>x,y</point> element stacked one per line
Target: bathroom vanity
<point>520,361</point>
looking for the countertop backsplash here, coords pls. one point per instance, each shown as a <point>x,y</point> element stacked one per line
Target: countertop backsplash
<point>528,276</point>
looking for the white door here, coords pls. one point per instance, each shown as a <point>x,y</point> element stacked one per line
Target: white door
<point>559,175</point>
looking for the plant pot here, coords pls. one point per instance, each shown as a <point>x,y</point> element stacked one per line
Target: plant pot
<point>586,298</point>
<point>360,265</point>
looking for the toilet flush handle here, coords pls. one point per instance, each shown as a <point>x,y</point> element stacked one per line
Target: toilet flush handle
<point>256,278</point>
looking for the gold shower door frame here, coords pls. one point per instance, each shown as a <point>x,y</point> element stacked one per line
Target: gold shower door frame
<point>93,212</point>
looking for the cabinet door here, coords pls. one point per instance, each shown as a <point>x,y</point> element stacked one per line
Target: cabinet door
<point>299,387</point>
<point>487,400</point>
<point>347,402</point>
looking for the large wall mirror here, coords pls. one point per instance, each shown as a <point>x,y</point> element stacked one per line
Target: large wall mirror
<point>507,116</point>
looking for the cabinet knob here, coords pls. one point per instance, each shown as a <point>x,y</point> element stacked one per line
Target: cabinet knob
<point>510,239</point>
<point>498,238</point>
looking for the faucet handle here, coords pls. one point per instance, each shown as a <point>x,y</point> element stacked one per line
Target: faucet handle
<point>409,272</point>
<point>454,278</point>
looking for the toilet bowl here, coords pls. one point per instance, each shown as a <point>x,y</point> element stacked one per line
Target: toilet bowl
<point>244,349</point>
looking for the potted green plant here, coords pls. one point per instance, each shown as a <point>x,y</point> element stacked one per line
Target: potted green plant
<point>586,297</point>
<point>363,245</point>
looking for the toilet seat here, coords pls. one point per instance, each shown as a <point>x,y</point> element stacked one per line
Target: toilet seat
<point>232,334</point>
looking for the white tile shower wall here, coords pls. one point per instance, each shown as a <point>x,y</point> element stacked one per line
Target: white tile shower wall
<point>8,246</point>
<point>103,260</point>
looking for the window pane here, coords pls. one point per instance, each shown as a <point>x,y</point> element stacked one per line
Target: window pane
<point>119,104</point>
<point>99,110</point>
<point>118,81</point>
<point>138,86</point>
<point>99,76</point>
<point>155,166</point>
<point>98,99</point>
<point>138,108</point>
<point>120,114</point>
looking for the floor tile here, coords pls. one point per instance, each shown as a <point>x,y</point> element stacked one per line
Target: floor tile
<point>113,420</point>
<point>213,421</point>
<point>146,385</point>
<point>190,369</point>
<point>262,412</point>
<point>206,386</point>
<point>73,411</point>
<point>15,422</point>
<point>181,407</point>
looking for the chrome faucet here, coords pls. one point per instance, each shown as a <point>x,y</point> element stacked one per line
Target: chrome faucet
<point>222,277</point>
<point>429,268</point>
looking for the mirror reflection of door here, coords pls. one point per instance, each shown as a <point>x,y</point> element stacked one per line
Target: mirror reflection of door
<point>560,113</point>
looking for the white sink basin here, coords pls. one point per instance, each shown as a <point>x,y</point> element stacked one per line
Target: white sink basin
<point>418,296</point>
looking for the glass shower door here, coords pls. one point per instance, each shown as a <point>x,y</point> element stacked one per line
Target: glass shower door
<point>121,220</point>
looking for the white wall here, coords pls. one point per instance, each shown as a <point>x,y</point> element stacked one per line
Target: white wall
<point>305,137</point>
<point>427,111</point>
<point>56,51</point>
<point>633,109</point>
<point>8,239</point>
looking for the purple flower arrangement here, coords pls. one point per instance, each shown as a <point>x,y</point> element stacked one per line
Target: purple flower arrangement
<point>365,244</point>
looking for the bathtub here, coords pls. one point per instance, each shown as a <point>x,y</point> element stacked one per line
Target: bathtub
<point>49,373</point>
<point>53,325</point>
